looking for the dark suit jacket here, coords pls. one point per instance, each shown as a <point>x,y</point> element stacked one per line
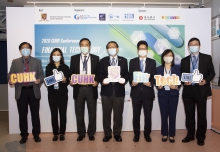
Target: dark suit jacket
<point>17,66</point>
<point>205,67</point>
<point>107,90</point>
<point>75,69</point>
<point>150,68</point>
<point>174,70</point>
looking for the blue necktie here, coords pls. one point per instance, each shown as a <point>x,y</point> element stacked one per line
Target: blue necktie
<point>194,63</point>
<point>142,65</point>
<point>113,61</point>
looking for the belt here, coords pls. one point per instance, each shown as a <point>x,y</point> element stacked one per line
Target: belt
<point>27,87</point>
<point>85,86</point>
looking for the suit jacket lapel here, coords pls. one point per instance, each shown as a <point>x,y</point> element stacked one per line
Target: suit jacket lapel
<point>200,62</point>
<point>78,64</point>
<point>147,63</point>
<point>188,62</point>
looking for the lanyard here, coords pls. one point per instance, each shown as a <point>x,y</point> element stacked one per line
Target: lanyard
<point>116,61</point>
<point>192,63</point>
<point>167,71</point>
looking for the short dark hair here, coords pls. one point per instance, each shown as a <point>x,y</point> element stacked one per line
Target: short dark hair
<point>142,42</point>
<point>86,40</point>
<point>51,58</point>
<point>167,51</point>
<point>23,43</point>
<point>194,39</point>
<point>112,42</point>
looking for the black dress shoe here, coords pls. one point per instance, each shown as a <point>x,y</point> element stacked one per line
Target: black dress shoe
<point>91,138</point>
<point>106,138</point>
<point>23,140</point>
<point>148,138</point>
<point>136,138</point>
<point>172,140</point>
<point>164,139</point>
<point>62,137</point>
<point>80,138</point>
<point>37,139</point>
<point>118,138</point>
<point>187,139</point>
<point>200,142</point>
<point>55,138</point>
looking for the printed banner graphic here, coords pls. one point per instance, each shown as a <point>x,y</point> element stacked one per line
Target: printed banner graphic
<point>194,77</point>
<point>167,80</point>
<point>55,78</point>
<point>140,77</point>
<point>83,79</point>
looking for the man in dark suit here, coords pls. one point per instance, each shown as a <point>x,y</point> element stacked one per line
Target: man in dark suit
<point>113,93</point>
<point>85,63</point>
<point>28,93</point>
<point>196,93</point>
<point>142,93</point>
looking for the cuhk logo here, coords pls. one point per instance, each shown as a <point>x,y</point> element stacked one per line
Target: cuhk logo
<point>128,16</point>
<point>102,17</point>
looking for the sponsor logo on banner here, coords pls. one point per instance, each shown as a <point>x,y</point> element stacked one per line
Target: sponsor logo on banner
<point>82,17</point>
<point>113,17</point>
<point>128,17</point>
<point>170,17</point>
<point>147,17</point>
<point>102,17</point>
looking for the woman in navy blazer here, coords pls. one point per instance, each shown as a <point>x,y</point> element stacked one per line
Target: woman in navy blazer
<point>168,96</point>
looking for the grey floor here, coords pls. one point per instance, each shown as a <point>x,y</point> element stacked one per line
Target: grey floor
<point>10,142</point>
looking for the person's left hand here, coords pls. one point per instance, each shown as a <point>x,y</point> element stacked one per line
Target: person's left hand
<point>95,84</point>
<point>37,81</point>
<point>173,87</point>
<point>203,82</point>
<point>147,84</point>
<point>64,79</point>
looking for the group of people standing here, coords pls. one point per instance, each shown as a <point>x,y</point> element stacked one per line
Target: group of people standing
<point>113,93</point>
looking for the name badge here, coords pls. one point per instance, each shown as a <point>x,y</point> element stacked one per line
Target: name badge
<point>56,86</point>
<point>166,87</point>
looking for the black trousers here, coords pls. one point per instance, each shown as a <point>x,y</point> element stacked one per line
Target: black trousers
<point>117,104</point>
<point>58,103</point>
<point>28,98</point>
<point>85,94</point>
<point>191,101</point>
<point>168,107</point>
<point>147,104</point>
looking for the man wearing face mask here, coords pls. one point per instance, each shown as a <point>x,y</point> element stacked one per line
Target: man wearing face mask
<point>196,93</point>
<point>85,63</point>
<point>28,93</point>
<point>142,93</point>
<point>113,93</point>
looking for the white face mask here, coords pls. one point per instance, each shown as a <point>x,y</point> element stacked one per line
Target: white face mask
<point>112,51</point>
<point>84,50</point>
<point>142,53</point>
<point>56,58</point>
<point>168,59</point>
<point>194,49</point>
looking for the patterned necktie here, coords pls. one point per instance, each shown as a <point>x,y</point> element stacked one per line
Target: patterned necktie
<point>142,65</point>
<point>85,64</point>
<point>194,63</point>
<point>113,61</point>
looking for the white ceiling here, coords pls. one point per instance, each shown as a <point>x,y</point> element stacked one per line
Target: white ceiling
<point>20,3</point>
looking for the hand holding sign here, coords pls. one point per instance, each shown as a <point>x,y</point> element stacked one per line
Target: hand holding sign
<point>55,78</point>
